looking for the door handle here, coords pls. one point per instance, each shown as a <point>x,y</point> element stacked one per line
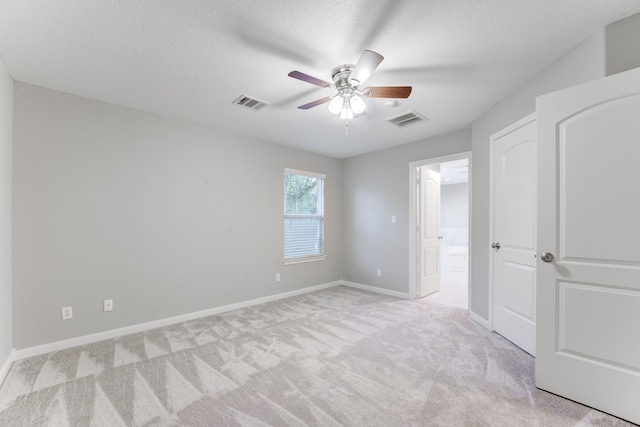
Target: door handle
<point>547,257</point>
<point>496,246</point>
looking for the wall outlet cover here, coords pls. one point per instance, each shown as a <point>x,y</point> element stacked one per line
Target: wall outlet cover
<point>108,305</point>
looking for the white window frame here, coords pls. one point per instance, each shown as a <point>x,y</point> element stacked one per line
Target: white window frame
<point>306,258</point>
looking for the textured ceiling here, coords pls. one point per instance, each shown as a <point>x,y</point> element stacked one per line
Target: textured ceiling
<point>190,59</point>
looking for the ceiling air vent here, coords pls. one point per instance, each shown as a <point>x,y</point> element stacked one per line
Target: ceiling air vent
<point>406,119</point>
<point>250,103</point>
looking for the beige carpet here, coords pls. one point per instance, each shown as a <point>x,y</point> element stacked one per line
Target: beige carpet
<point>338,357</point>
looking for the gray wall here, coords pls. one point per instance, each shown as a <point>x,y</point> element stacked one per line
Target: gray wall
<point>623,44</point>
<point>164,217</point>
<point>6,122</point>
<point>110,202</point>
<point>584,63</point>
<point>375,187</point>
<point>613,49</point>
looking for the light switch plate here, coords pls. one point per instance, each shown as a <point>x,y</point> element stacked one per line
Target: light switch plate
<point>67,313</point>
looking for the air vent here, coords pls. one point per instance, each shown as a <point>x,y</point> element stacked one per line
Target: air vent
<point>406,119</point>
<point>250,103</point>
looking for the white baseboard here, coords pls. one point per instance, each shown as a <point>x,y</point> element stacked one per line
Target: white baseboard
<point>377,290</point>
<point>114,333</point>
<point>4,370</point>
<point>479,320</point>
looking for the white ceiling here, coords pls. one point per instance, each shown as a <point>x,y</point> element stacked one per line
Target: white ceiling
<point>454,172</point>
<point>190,59</point>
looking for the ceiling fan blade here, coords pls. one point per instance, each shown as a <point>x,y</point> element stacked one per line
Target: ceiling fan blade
<point>309,79</point>
<point>388,92</point>
<point>368,62</point>
<point>316,103</point>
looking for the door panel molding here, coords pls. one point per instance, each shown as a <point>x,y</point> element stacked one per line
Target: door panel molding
<point>584,330</point>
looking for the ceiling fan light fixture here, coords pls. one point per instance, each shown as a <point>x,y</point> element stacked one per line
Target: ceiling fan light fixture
<point>335,106</point>
<point>357,105</point>
<point>347,112</point>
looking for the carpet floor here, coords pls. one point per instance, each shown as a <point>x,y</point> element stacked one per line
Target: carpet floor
<point>337,357</point>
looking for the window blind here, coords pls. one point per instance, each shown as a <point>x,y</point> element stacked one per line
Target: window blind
<point>303,215</point>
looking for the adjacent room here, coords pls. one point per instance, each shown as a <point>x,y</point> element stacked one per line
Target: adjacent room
<point>342,213</point>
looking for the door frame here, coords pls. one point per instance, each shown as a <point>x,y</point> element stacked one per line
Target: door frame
<point>414,265</point>
<point>507,130</point>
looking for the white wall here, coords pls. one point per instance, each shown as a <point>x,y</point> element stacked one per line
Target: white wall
<point>6,124</point>
<point>164,217</point>
<point>375,187</point>
<point>454,209</point>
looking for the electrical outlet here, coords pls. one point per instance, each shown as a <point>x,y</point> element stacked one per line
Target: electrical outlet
<point>108,305</point>
<point>393,219</point>
<point>379,273</point>
<point>277,277</point>
<point>67,313</point>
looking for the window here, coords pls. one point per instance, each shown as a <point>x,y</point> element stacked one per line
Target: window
<point>303,216</point>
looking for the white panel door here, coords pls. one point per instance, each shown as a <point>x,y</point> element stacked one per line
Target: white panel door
<point>514,233</point>
<point>429,231</point>
<point>588,338</point>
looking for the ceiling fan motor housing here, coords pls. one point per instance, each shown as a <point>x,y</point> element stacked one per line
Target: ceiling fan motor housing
<point>340,76</point>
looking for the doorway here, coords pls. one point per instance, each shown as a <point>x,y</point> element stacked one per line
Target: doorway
<point>443,213</point>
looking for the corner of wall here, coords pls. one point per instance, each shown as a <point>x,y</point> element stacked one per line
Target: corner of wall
<point>6,172</point>
<point>622,45</point>
<point>6,365</point>
<point>480,320</point>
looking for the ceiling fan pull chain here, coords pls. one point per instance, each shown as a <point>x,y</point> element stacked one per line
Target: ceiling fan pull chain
<point>346,127</point>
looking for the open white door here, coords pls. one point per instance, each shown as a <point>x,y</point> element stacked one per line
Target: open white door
<point>429,228</point>
<point>588,322</point>
<point>513,194</point>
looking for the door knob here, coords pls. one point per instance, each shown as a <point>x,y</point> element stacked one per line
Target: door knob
<point>547,257</point>
<point>495,246</point>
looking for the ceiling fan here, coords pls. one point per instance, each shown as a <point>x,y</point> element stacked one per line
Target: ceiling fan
<point>348,102</point>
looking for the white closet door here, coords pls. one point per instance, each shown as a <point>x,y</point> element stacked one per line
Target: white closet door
<point>588,323</point>
<point>513,192</point>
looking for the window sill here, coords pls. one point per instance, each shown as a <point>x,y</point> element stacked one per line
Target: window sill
<point>304,259</point>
